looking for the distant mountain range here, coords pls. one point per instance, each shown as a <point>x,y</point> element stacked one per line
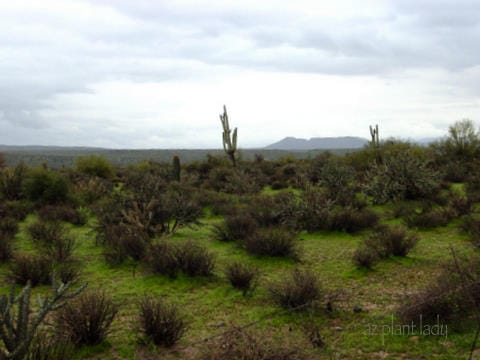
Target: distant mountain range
<point>327,143</point>
<point>330,143</point>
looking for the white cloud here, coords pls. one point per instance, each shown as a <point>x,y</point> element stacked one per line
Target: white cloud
<point>155,74</point>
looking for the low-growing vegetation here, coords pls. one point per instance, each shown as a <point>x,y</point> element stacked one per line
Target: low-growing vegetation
<point>244,259</point>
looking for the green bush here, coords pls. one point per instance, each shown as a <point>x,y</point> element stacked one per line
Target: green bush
<point>94,165</point>
<point>31,268</point>
<point>404,173</point>
<point>161,322</point>
<point>242,276</point>
<point>86,320</point>
<point>300,289</point>
<point>235,227</point>
<point>272,242</point>
<point>45,186</point>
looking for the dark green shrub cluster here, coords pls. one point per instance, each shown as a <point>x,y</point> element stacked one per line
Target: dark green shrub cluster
<point>8,229</point>
<point>45,186</point>
<point>11,182</point>
<point>274,210</point>
<point>429,217</point>
<point>62,212</point>
<point>351,219</point>
<point>301,289</point>
<point>18,209</point>
<point>403,173</point>
<point>86,320</point>
<point>94,165</point>
<point>194,259</point>
<point>274,241</point>
<point>452,296</point>
<point>161,321</point>
<point>52,240</point>
<point>237,226</point>
<point>123,241</point>
<point>90,189</point>
<point>188,257</point>
<point>35,269</point>
<point>242,276</point>
<point>383,242</point>
<point>471,225</point>
<point>152,208</point>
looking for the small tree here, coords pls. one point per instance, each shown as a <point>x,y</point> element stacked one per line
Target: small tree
<point>229,142</point>
<point>463,138</point>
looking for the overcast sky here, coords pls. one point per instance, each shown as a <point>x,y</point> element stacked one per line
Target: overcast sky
<point>155,74</point>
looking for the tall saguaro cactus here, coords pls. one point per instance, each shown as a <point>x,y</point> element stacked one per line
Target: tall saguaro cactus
<point>229,141</point>
<point>374,134</point>
<point>176,168</point>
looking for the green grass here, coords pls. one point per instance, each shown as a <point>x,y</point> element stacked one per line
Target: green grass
<point>211,303</point>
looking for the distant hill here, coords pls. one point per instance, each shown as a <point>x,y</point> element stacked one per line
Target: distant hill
<point>325,143</point>
<point>57,156</point>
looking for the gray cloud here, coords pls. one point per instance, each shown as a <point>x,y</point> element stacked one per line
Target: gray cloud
<point>67,47</point>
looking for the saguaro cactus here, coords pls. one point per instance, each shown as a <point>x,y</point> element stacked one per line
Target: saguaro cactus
<point>176,168</point>
<point>17,327</point>
<point>229,142</point>
<point>374,134</point>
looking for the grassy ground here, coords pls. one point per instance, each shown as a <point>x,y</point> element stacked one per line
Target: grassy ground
<point>211,304</point>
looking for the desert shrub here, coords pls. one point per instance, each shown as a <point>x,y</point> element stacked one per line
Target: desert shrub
<point>35,269</point>
<point>18,209</point>
<point>162,212</point>
<point>242,276</point>
<point>86,320</point>
<point>94,165</point>
<point>218,203</point>
<point>472,184</point>
<point>453,295</point>
<point>403,173</point>
<point>350,219</point>
<point>365,257</point>
<point>471,226</point>
<point>194,259</point>
<point>6,246</point>
<point>274,210</point>
<point>398,242</point>
<point>459,204</point>
<point>67,271</point>
<point>274,241</point>
<point>314,209</point>
<point>11,182</point>
<point>45,186</point>
<point>299,290</point>
<point>338,179</point>
<point>391,241</point>
<point>52,240</point>
<point>50,347</point>
<point>8,226</point>
<point>123,241</point>
<point>160,321</point>
<point>403,209</point>
<point>238,343</point>
<point>241,182</point>
<point>90,189</point>
<point>161,258</point>
<point>428,218</point>
<point>62,212</point>
<point>237,226</point>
